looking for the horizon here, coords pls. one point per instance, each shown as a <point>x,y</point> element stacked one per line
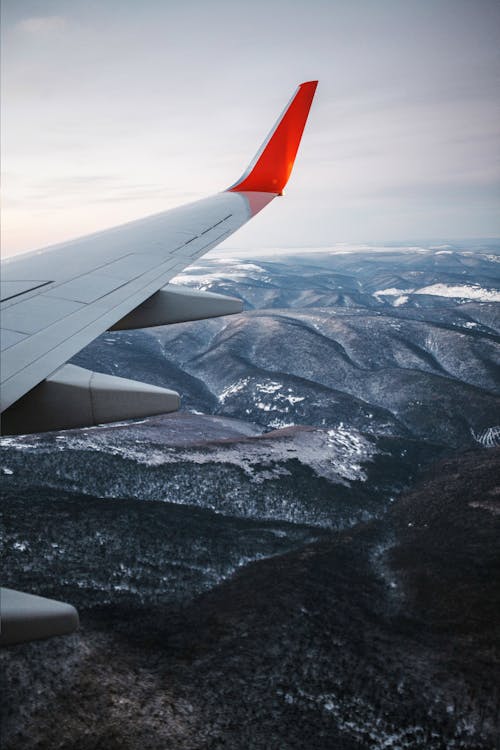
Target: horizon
<point>106,119</point>
<point>226,248</point>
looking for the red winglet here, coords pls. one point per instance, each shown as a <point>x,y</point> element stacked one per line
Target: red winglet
<point>272,166</point>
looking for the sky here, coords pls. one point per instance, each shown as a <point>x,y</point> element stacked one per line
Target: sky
<point>115,110</point>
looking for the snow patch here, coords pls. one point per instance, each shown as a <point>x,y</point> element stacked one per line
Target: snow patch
<point>280,424</point>
<point>489,438</point>
<point>461,291</point>
<point>240,385</point>
<point>458,291</point>
<point>21,546</point>
<point>393,292</point>
<point>270,387</point>
<point>402,300</point>
<point>264,407</point>
<point>267,396</point>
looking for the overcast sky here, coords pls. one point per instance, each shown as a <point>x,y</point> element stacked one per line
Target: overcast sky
<point>113,110</point>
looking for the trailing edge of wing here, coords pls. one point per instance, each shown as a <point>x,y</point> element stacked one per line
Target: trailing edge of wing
<point>272,165</point>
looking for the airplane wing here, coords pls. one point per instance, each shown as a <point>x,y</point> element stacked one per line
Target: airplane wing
<point>57,300</point>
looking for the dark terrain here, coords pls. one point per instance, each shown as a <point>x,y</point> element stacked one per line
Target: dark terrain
<point>316,565</point>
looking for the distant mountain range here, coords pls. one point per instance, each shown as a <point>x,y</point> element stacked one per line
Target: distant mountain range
<point>389,341</point>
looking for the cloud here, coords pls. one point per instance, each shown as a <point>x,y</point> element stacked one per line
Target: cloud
<point>42,24</point>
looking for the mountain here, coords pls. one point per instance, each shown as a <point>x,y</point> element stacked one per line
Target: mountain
<point>383,634</point>
<point>306,555</point>
<point>326,341</point>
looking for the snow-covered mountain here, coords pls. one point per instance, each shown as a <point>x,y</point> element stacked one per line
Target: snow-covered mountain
<point>306,555</point>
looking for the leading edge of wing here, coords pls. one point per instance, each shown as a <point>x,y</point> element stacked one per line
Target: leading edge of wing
<point>270,169</point>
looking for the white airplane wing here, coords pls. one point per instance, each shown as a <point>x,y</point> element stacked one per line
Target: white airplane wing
<point>56,300</point>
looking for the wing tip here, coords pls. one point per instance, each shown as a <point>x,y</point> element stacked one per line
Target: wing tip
<point>271,168</point>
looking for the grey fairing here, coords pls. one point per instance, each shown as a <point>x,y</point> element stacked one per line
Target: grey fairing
<point>177,304</point>
<point>75,397</point>
<point>27,617</point>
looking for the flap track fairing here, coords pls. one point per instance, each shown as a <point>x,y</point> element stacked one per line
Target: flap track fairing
<point>178,304</point>
<point>75,397</point>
